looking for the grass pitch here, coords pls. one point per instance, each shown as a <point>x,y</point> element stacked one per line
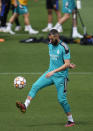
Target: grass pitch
<point>30,61</point>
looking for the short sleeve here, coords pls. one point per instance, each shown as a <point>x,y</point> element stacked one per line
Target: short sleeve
<point>66,51</point>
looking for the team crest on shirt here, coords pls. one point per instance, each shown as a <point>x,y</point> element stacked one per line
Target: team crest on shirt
<point>58,52</point>
<point>66,5</point>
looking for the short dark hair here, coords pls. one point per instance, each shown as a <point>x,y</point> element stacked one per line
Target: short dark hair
<point>53,32</point>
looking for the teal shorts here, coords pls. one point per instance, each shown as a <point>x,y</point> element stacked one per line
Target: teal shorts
<point>68,6</point>
<point>21,9</point>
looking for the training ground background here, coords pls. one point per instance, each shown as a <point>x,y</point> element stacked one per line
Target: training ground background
<point>30,61</point>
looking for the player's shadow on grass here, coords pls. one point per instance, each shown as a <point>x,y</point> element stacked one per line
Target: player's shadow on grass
<point>46,124</point>
<point>77,124</point>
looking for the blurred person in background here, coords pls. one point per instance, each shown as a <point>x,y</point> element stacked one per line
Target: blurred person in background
<point>18,27</point>
<point>52,5</point>
<point>21,9</point>
<point>68,8</point>
<point>4,14</point>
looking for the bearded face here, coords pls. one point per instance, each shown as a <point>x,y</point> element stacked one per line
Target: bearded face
<point>54,39</point>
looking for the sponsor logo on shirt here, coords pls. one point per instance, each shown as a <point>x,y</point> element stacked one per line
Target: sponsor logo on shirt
<point>54,57</point>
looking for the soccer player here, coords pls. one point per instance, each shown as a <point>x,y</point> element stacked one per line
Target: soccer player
<point>21,9</point>
<point>69,8</point>
<point>52,5</point>
<point>4,14</point>
<point>18,27</point>
<point>57,74</point>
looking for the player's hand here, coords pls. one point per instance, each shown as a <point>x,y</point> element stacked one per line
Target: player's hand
<point>72,66</point>
<point>49,74</point>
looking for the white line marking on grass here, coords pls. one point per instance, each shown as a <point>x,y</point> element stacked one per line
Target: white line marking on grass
<point>39,73</point>
<point>81,73</point>
<point>20,73</point>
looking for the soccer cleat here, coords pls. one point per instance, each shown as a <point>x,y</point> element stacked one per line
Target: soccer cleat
<point>70,124</point>
<point>21,106</point>
<point>26,29</point>
<point>17,28</point>
<point>2,29</point>
<point>46,29</point>
<point>77,35</point>
<point>58,28</point>
<point>32,31</point>
<point>8,29</point>
<point>11,32</point>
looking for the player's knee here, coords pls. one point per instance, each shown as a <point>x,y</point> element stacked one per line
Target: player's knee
<point>67,16</point>
<point>26,15</point>
<point>49,12</point>
<point>35,87</point>
<point>62,100</point>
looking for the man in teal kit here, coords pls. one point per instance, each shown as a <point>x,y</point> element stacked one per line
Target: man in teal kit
<point>57,74</point>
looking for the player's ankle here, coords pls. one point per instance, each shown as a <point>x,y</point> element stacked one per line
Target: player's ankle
<point>50,25</point>
<point>28,27</point>
<point>58,24</point>
<point>27,102</point>
<point>9,24</point>
<point>70,118</point>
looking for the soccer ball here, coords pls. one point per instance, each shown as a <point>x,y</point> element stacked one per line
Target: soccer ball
<point>19,82</point>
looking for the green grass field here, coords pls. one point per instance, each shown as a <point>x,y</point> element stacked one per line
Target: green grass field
<point>30,61</point>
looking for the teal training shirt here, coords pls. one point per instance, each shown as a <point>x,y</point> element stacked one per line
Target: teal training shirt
<point>58,54</point>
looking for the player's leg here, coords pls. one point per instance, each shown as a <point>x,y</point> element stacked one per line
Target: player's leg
<point>61,22</point>
<point>18,27</point>
<point>11,21</point>
<point>13,17</point>
<point>61,85</point>
<point>66,10</point>
<point>25,13</point>
<point>58,13</point>
<point>49,7</point>
<point>56,9</point>
<point>39,84</point>
<point>50,16</point>
<point>75,33</point>
<point>4,14</point>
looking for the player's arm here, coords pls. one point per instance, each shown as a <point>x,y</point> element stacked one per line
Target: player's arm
<point>63,67</point>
